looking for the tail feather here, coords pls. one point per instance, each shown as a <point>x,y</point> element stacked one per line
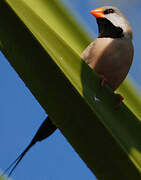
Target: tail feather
<point>14,164</point>
<point>45,130</point>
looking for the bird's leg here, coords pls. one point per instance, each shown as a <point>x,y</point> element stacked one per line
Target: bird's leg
<point>103,80</point>
<point>102,83</point>
<point>120,100</point>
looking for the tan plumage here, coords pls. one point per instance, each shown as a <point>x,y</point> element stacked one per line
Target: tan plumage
<point>111,56</point>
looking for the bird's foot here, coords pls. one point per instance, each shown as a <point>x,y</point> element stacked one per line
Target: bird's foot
<point>103,80</point>
<point>120,100</point>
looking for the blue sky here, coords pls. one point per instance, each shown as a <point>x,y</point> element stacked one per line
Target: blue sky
<point>21,114</point>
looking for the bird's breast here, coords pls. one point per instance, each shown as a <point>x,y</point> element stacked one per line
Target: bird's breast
<point>111,58</point>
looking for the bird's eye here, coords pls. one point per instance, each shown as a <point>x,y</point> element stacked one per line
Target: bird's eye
<point>108,11</point>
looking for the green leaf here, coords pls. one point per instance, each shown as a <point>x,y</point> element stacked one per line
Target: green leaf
<point>1,178</point>
<point>44,50</point>
<point>132,96</point>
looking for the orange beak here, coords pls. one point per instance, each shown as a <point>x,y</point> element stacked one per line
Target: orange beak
<point>98,13</point>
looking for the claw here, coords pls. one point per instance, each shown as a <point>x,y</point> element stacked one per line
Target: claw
<point>120,100</point>
<point>103,80</point>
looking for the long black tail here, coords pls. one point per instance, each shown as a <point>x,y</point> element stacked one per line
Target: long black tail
<point>44,131</point>
<point>19,158</point>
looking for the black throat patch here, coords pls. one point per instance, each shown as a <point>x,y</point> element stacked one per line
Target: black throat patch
<point>107,29</point>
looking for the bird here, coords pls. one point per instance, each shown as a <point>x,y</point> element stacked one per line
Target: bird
<point>110,55</point>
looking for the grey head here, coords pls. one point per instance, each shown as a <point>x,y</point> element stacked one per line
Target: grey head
<point>114,21</point>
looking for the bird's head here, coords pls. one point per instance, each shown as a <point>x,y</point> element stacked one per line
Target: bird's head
<point>111,22</point>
